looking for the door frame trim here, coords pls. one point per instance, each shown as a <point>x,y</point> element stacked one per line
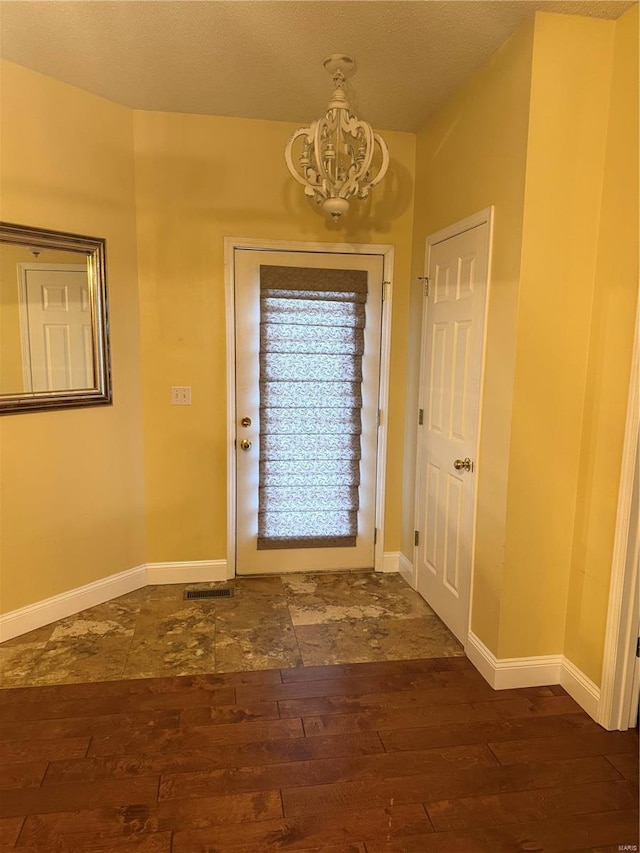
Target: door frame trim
<point>618,665</point>
<point>257,244</point>
<point>482,217</point>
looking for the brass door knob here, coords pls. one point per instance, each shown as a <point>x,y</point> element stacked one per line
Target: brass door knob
<point>463,464</point>
<point>245,445</point>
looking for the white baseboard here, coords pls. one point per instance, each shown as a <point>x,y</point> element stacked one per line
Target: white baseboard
<point>513,672</point>
<point>192,571</point>
<point>536,671</point>
<point>390,562</point>
<point>25,619</point>
<point>481,657</point>
<point>581,688</point>
<point>405,567</point>
<point>395,562</point>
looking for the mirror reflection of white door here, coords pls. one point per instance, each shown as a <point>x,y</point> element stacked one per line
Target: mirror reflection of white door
<point>452,351</point>
<point>55,319</point>
<point>308,328</point>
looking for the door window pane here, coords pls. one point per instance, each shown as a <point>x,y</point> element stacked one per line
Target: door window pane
<point>311,345</point>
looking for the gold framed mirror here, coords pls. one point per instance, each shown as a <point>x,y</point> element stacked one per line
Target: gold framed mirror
<point>54,332</point>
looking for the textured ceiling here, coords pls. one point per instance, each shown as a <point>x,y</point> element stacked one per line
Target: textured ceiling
<point>264,59</point>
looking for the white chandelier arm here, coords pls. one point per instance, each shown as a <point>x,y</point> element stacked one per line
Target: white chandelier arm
<point>302,131</point>
<point>321,125</point>
<point>353,126</point>
<point>385,160</point>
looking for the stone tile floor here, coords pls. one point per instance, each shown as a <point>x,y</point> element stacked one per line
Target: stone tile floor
<point>270,622</point>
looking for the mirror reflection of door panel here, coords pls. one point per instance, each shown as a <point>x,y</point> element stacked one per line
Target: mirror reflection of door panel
<point>54,332</point>
<point>56,327</point>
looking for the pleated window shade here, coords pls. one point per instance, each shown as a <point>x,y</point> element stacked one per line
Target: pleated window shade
<point>311,345</point>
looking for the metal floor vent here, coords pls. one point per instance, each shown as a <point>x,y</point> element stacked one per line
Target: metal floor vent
<point>209,593</point>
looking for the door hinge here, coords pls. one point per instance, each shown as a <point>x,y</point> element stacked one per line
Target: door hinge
<point>375,535</point>
<point>425,280</point>
<point>416,537</point>
<point>385,285</point>
<point>379,416</point>
<point>638,648</point>
<point>421,416</point>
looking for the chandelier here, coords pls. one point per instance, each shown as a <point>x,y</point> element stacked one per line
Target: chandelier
<point>338,149</point>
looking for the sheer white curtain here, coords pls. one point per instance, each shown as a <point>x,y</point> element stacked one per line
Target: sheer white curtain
<point>311,344</point>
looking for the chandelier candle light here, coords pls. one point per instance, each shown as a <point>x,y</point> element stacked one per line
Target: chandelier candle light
<point>338,149</point>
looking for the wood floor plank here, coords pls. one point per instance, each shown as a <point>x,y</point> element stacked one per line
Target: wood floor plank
<point>399,699</point>
<point>540,804</point>
<point>560,835</point>
<point>191,737</point>
<point>138,686</point>
<point>9,830</point>
<point>626,763</point>
<point>351,686</point>
<point>377,669</point>
<point>355,847</point>
<point>451,734</point>
<point>48,831</point>
<point>61,798</point>
<point>323,771</point>
<point>544,749</point>
<point>28,774</point>
<point>316,799</point>
<point>82,842</point>
<point>74,727</point>
<point>119,704</point>
<point>203,812</point>
<point>297,834</point>
<point>214,715</point>
<point>18,751</point>
<point>261,753</point>
<point>406,718</point>
<point>349,847</point>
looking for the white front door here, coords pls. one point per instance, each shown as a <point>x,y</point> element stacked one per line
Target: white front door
<point>453,338</point>
<point>307,332</point>
<point>57,343</point>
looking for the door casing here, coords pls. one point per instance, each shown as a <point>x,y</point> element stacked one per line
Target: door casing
<point>483,217</point>
<point>387,253</point>
<point>618,688</point>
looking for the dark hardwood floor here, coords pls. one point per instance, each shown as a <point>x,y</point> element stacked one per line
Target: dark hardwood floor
<point>414,756</point>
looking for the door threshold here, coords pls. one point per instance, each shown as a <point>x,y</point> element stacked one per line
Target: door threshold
<point>306,572</point>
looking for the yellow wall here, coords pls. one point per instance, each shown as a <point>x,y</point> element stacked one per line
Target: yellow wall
<point>567,134</point>
<point>200,179</point>
<point>607,374</point>
<point>71,500</point>
<point>470,155</point>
